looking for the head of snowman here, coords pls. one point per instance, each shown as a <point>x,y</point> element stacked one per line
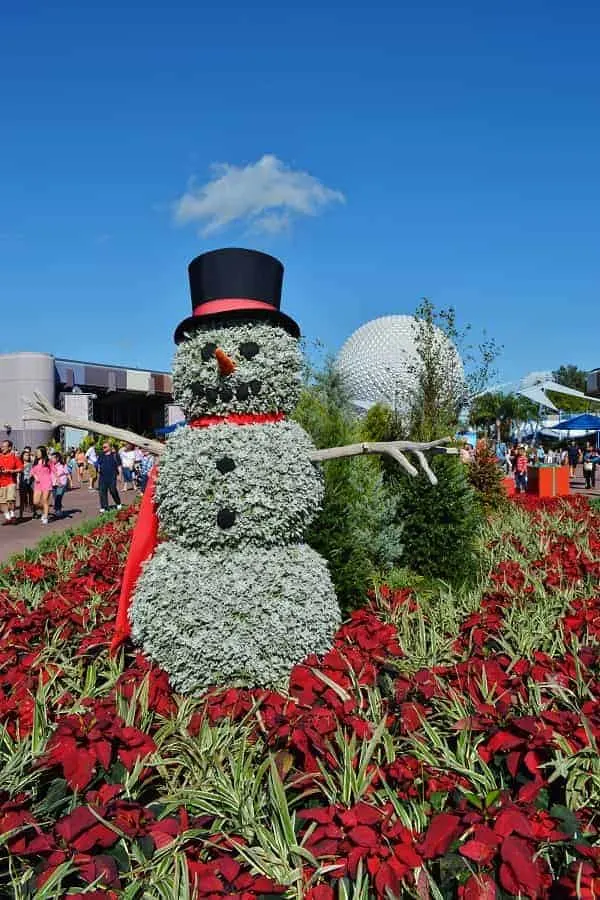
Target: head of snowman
<point>237,353</point>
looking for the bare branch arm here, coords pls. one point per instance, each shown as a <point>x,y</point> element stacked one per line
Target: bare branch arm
<point>390,448</point>
<point>41,410</point>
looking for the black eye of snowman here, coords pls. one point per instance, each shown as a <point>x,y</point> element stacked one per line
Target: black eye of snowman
<point>249,349</point>
<point>208,351</point>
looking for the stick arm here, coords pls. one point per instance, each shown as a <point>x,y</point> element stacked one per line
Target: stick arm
<point>39,409</point>
<point>395,449</point>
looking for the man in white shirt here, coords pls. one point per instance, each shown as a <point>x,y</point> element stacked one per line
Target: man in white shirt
<point>128,455</point>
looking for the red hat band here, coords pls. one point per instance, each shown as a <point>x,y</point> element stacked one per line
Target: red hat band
<point>229,304</point>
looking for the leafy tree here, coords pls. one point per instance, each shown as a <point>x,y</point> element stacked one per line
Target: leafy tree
<point>381,423</point>
<point>571,376</point>
<point>440,524</point>
<point>568,404</point>
<point>356,530</point>
<point>444,381</point>
<point>501,411</point>
<point>485,412</point>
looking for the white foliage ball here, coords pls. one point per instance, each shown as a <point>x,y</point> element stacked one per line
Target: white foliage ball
<point>261,474</point>
<point>241,617</point>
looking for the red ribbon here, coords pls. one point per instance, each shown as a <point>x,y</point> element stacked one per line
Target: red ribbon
<point>145,533</point>
<point>237,419</point>
<point>228,304</point>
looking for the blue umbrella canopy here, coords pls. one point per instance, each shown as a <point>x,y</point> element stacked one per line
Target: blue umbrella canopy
<point>583,422</point>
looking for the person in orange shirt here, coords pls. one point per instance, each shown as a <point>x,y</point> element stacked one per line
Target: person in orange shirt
<point>10,466</point>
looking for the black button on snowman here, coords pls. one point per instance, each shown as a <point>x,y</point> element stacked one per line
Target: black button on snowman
<point>234,594</point>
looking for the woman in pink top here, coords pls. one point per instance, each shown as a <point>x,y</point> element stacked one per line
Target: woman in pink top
<point>41,473</point>
<point>60,481</point>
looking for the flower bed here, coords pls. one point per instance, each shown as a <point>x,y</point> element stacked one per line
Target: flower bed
<point>446,746</point>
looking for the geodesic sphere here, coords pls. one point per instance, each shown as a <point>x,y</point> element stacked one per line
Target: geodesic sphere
<point>379,363</point>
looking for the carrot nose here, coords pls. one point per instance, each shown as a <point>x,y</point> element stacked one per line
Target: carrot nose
<point>225,363</point>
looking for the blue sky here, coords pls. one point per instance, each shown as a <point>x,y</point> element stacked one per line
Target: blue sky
<point>463,139</point>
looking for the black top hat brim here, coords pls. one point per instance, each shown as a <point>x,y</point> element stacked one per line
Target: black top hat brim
<point>272,316</point>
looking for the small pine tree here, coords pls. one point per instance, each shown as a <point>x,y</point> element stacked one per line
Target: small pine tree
<point>441,523</point>
<point>485,476</point>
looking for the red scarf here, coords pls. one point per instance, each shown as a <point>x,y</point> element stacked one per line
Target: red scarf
<point>145,533</point>
<point>237,419</point>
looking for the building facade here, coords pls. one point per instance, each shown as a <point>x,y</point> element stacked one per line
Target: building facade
<point>593,383</point>
<point>136,399</point>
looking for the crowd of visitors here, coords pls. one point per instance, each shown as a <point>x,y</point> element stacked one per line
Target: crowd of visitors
<point>515,459</point>
<point>34,481</point>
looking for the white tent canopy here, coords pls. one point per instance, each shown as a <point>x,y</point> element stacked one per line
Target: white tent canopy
<point>537,393</point>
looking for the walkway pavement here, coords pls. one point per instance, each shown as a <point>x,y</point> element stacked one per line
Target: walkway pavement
<point>79,504</point>
<point>578,484</point>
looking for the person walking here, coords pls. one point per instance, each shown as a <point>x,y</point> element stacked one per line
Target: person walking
<point>71,464</point>
<point>81,464</point>
<point>60,480</point>
<point>142,470</point>
<point>41,472</point>
<point>590,460</point>
<point>521,471</point>
<point>10,466</point>
<point>573,454</point>
<point>595,456</point>
<point>91,458</point>
<point>127,455</point>
<point>108,469</point>
<point>26,485</point>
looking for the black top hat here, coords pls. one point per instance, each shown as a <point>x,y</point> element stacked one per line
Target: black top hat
<point>235,284</point>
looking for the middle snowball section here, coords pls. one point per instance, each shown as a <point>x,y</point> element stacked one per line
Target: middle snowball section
<point>232,485</point>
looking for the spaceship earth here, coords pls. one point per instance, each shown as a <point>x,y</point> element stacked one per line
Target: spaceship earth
<point>379,363</point>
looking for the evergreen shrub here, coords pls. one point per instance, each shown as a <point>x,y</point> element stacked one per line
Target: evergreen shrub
<point>440,523</point>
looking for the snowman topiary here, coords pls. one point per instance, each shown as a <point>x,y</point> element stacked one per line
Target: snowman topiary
<point>232,594</point>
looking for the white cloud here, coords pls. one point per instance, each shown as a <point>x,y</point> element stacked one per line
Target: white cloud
<point>267,194</point>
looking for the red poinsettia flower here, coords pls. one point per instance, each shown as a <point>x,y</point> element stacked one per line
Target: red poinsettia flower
<point>225,877</point>
<point>441,834</point>
<point>478,887</point>
<point>83,831</point>
<point>83,742</point>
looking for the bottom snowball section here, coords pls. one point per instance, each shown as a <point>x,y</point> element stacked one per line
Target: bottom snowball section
<point>229,618</point>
